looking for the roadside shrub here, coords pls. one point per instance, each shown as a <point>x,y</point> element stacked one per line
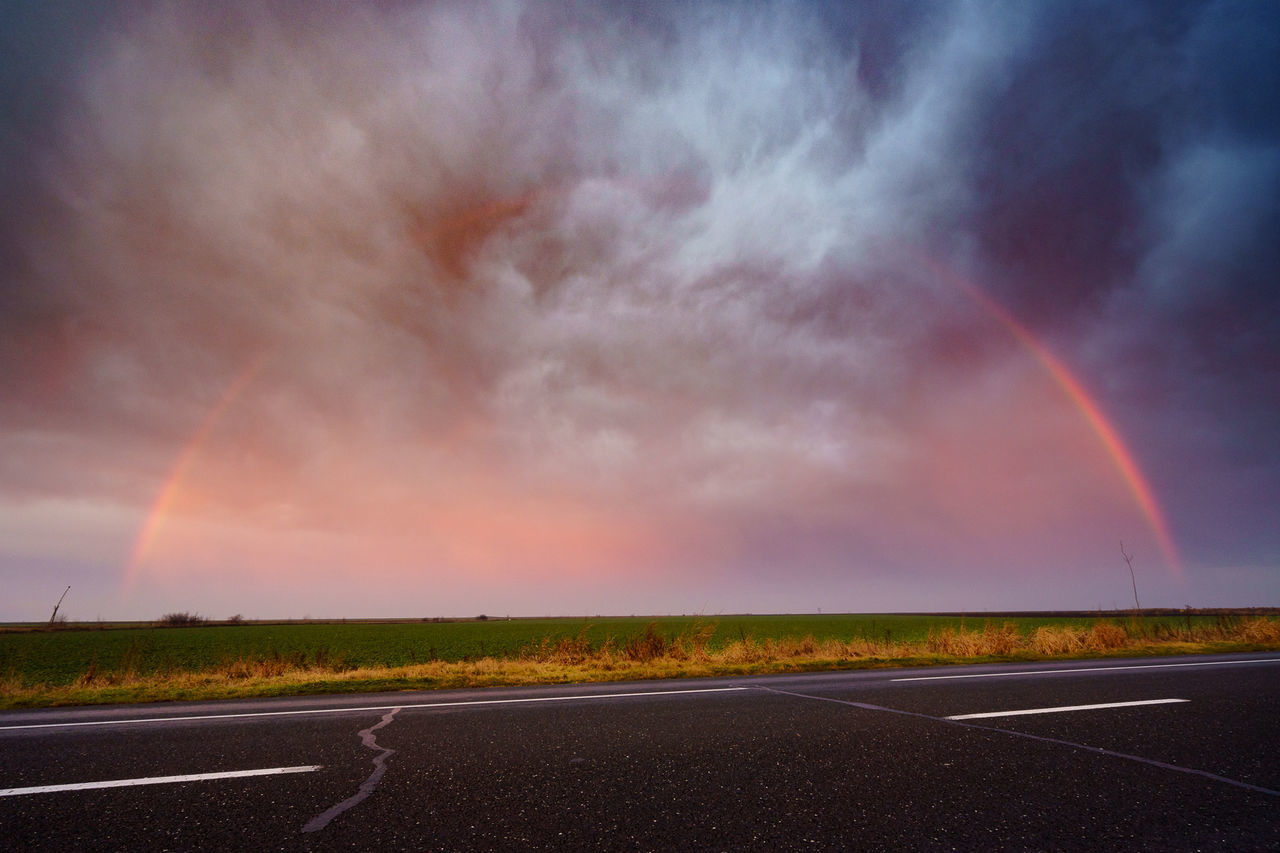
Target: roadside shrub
<point>1106,635</point>
<point>1057,639</point>
<point>990,641</point>
<point>1260,630</point>
<point>90,675</point>
<point>1000,641</point>
<point>647,646</point>
<point>953,643</point>
<point>326,660</point>
<point>699,637</point>
<point>743,651</point>
<point>274,664</point>
<point>791,647</point>
<point>563,649</point>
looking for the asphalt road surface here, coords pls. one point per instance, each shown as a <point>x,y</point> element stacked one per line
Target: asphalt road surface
<point>882,760</point>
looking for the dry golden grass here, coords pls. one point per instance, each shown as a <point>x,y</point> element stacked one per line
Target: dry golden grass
<point>1066,639</point>
<point>991,640</point>
<point>644,656</point>
<point>1261,631</point>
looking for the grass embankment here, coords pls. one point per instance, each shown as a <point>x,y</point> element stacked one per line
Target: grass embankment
<point>70,667</point>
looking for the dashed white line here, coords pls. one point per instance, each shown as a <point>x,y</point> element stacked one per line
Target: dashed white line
<point>155,780</point>
<point>1097,750</point>
<point>364,709</point>
<point>1084,669</point>
<point>1062,708</point>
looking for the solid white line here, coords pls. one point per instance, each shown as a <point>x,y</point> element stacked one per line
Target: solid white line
<point>1060,708</point>
<point>1084,669</point>
<point>154,780</point>
<point>362,709</point>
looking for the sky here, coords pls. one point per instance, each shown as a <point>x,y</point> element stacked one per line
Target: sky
<point>404,309</point>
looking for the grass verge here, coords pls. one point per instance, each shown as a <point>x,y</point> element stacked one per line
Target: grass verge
<point>650,654</point>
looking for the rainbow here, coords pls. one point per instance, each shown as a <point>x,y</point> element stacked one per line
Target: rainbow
<point>1120,454</point>
<point>1102,427</point>
<point>164,499</point>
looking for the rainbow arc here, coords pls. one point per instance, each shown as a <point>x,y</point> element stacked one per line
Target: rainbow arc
<point>161,506</point>
<point>1120,455</point>
<point>1107,434</point>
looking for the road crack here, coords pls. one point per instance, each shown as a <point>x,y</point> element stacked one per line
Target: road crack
<point>367,787</point>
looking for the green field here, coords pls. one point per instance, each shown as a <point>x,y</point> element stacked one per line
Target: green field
<point>60,657</point>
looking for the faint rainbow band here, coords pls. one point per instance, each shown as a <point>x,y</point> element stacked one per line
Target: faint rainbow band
<point>1120,454</point>
<point>164,499</point>
<point>1102,427</point>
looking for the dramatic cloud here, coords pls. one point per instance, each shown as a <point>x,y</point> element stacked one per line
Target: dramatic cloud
<point>543,308</point>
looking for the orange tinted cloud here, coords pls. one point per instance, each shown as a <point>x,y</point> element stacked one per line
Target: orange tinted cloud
<point>561,299</point>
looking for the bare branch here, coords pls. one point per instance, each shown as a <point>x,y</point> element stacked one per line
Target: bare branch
<point>59,604</point>
<point>1128,559</point>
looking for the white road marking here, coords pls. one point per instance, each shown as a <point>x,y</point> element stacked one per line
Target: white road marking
<point>1061,708</point>
<point>1084,669</point>
<point>1097,750</point>
<point>154,780</point>
<point>363,709</point>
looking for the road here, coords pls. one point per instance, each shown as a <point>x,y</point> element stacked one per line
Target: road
<point>869,760</point>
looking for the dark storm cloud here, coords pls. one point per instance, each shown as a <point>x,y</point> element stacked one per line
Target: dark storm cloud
<point>1206,287</point>
<point>1064,148</point>
<point>670,258</point>
<point>1135,148</point>
<point>1127,208</point>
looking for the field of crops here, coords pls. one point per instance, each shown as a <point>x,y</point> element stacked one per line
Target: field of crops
<point>61,657</point>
